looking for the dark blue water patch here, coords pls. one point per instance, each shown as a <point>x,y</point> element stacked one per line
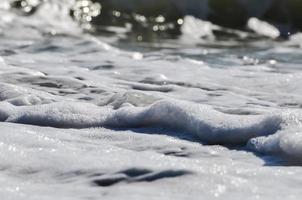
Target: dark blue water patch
<point>103,67</point>
<point>7,52</point>
<point>134,175</point>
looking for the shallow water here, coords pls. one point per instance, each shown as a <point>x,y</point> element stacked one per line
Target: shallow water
<point>87,116</point>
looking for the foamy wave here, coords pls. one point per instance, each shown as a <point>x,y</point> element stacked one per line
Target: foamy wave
<point>200,121</point>
<point>287,141</point>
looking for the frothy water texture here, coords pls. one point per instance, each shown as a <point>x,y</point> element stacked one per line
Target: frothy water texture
<point>150,100</point>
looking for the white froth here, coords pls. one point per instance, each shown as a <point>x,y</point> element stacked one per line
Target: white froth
<point>200,121</point>
<point>287,141</point>
<point>197,28</point>
<point>263,28</point>
<point>135,125</point>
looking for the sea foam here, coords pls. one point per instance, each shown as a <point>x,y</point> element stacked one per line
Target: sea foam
<point>200,121</point>
<point>287,141</point>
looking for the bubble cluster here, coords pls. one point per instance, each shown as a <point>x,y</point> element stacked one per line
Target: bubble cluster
<point>26,7</point>
<point>84,11</point>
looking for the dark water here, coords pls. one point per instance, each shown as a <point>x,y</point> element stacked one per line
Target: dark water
<point>152,19</point>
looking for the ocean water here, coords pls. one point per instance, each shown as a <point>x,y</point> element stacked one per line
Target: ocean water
<point>200,111</point>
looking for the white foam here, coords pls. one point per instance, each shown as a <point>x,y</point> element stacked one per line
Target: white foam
<point>41,162</point>
<point>22,96</point>
<point>287,141</point>
<point>197,29</point>
<point>202,121</point>
<point>263,28</point>
<point>199,121</point>
<point>66,115</point>
<point>184,97</point>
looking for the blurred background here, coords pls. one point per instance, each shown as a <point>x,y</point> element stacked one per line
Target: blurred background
<point>151,20</point>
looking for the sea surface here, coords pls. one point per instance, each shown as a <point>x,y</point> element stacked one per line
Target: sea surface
<point>90,111</point>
